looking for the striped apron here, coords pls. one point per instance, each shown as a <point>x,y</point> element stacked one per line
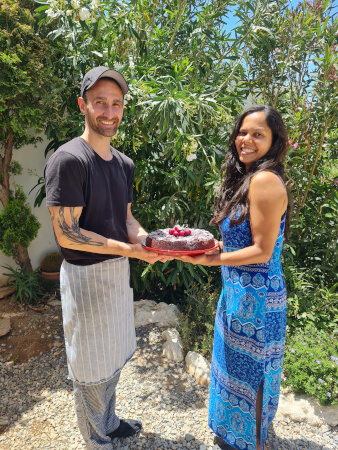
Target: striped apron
<point>98,319</point>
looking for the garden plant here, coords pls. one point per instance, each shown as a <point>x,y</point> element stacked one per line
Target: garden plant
<point>28,103</point>
<point>27,285</point>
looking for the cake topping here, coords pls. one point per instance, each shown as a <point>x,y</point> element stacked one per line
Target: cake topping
<point>177,231</point>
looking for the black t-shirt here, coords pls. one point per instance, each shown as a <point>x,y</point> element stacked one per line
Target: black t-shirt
<point>77,176</point>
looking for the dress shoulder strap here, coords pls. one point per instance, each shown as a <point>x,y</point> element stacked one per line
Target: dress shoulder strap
<point>281,179</point>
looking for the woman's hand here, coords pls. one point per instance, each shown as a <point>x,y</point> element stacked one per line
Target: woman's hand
<point>207,259</point>
<point>217,250</point>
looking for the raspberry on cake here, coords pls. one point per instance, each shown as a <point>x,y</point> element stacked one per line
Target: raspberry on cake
<point>180,239</point>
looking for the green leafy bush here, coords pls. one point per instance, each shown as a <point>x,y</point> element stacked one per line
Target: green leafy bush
<point>17,224</point>
<point>197,321</point>
<point>311,364</point>
<point>310,301</point>
<point>51,262</point>
<point>27,285</point>
<point>166,282</point>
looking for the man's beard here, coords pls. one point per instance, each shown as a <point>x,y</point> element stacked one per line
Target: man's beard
<point>101,130</point>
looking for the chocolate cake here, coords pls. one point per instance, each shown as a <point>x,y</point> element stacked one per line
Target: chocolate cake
<point>180,239</point>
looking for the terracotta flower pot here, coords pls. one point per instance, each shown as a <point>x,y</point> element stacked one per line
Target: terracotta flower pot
<point>51,276</point>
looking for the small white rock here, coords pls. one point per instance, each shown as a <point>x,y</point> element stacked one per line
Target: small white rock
<point>304,409</point>
<point>172,348</point>
<point>4,421</point>
<point>5,326</point>
<point>153,337</point>
<point>161,314</point>
<point>54,303</point>
<point>199,367</point>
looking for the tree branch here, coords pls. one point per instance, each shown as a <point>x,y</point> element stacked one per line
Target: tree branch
<point>180,14</point>
<point>5,162</point>
<point>301,203</point>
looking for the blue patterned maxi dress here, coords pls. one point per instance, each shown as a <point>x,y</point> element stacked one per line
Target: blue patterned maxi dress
<point>249,342</point>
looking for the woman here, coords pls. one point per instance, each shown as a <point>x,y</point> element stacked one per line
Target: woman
<point>251,211</point>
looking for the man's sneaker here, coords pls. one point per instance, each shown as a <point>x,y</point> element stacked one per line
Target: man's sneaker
<point>127,428</point>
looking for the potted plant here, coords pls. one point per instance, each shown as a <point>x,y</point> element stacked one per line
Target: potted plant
<point>50,266</point>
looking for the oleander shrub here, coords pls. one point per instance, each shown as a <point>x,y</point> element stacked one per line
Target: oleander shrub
<point>311,364</point>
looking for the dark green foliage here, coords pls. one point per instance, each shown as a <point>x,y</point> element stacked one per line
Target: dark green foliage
<point>197,319</point>
<point>29,102</point>
<point>28,87</point>
<point>27,285</point>
<point>166,282</point>
<point>311,364</point>
<point>15,168</point>
<point>177,67</point>
<point>310,260</point>
<point>51,262</point>
<point>17,224</point>
<point>310,301</point>
<point>314,236</point>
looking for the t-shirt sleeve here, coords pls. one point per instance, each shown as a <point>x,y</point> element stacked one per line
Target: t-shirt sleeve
<point>65,179</point>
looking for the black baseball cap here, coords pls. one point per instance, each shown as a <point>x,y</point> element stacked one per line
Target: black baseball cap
<point>93,76</point>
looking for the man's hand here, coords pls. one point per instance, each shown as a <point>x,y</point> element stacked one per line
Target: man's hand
<point>139,252</point>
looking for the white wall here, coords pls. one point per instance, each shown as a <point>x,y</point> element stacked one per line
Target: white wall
<point>33,158</point>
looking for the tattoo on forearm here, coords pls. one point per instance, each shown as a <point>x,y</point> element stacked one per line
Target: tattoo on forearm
<point>73,232</point>
<point>131,222</point>
<point>52,213</point>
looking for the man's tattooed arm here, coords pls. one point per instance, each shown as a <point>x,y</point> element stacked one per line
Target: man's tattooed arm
<point>70,235</point>
<point>136,233</point>
<point>52,214</point>
<point>72,232</point>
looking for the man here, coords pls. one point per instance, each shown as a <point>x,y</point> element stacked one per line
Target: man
<point>89,195</point>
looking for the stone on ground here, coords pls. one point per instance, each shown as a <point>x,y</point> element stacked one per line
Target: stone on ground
<point>5,291</point>
<point>198,367</point>
<point>172,348</point>
<point>149,312</point>
<point>5,326</point>
<point>301,408</point>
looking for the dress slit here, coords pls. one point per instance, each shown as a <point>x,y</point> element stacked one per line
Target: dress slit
<point>261,386</point>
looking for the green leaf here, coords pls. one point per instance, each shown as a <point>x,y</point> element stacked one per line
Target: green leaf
<point>42,8</point>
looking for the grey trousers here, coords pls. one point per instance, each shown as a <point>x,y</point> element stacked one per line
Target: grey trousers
<point>95,410</point>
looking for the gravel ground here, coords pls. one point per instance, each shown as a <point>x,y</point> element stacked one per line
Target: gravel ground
<point>37,411</point>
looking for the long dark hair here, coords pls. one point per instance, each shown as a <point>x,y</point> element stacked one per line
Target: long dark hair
<point>232,199</point>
